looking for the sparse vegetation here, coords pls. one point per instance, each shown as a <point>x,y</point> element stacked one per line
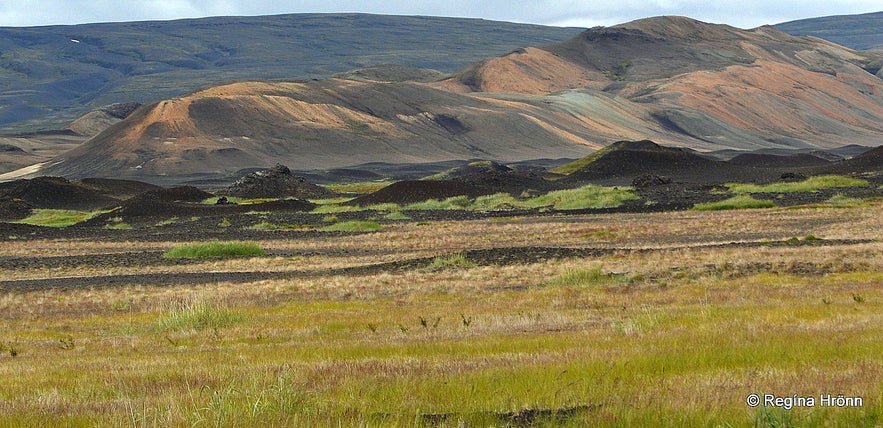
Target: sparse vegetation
<point>215,249</point>
<point>574,166</point>
<point>581,278</point>
<point>167,222</point>
<point>452,203</point>
<point>120,225</point>
<point>396,215</point>
<point>811,184</point>
<point>353,226</point>
<point>585,197</point>
<point>265,225</point>
<point>738,202</point>
<point>841,199</point>
<point>589,196</point>
<point>452,262</point>
<point>58,218</point>
<point>359,188</point>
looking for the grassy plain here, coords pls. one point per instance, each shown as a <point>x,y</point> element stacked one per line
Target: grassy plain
<point>674,322</point>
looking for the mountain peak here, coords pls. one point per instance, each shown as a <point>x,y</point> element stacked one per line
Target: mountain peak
<point>682,27</point>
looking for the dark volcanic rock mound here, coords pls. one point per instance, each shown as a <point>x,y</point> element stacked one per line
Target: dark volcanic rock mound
<point>10,148</point>
<point>512,182</point>
<point>759,160</point>
<point>184,202</point>
<point>410,191</point>
<point>627,160</point>
<point>870,161</point>
<point>623,162</point>
<point>650,180</point>
<point>54,192</point>
<point>472,168</point>
<point>119,188</point>
<point>276,182</point>
<point>175,194</point>
<point>14,209</point>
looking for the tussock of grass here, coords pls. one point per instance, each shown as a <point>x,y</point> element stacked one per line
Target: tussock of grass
<point>812,184</point>
<point>198,316</point>
<point>352,226</point>
<point>215,249</point>
<point>496,201</point>
<point>841,199</point>
<point>584,197</point>
<point>737,202</point>
<point>452,203</point>
<point>582,278</point>
<point>396,215</point>
<point>58,218</point>
<point>452,262</point>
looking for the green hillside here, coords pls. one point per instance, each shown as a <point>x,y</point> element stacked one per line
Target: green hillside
<point>50,75</point>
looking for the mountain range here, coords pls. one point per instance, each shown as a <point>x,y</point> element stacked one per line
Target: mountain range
<point>674,80</point>
<point>51,75</point>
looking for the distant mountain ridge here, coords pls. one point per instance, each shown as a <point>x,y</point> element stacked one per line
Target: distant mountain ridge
<point>862,32</point>
<point>673,80</point>
<point>51,75</point>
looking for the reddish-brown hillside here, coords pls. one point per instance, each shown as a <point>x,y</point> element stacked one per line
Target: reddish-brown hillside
<point>674,80</point>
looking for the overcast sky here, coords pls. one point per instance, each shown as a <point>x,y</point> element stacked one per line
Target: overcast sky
<point>577,13</point>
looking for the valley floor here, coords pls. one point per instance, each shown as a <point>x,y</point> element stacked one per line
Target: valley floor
<point>620,319</point>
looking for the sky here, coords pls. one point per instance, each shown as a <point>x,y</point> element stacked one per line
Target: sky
<point>574,13</point>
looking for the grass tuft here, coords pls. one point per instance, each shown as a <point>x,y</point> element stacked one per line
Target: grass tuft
<point>215,249</point>
<point>841,199</point>
<point>198,316</point>
<point>452,262</point>
<point>583,278</point>
<point>585,197</point>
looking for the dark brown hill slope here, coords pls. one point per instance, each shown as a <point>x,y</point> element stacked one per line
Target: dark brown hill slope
<point>673,80</point>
